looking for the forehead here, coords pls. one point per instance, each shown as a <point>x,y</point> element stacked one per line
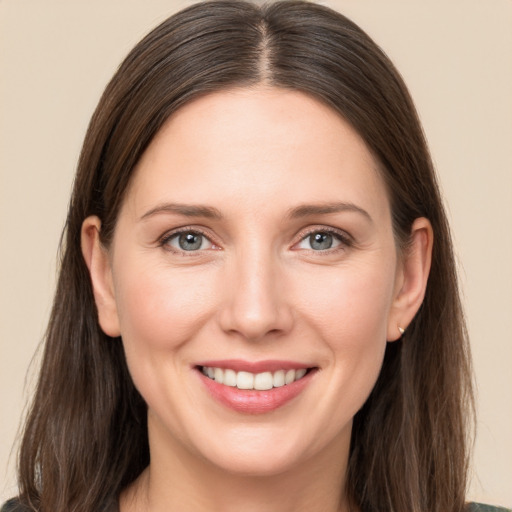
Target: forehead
<point>265,145</point>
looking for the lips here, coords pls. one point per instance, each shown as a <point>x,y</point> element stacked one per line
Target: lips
<point>254,388</point>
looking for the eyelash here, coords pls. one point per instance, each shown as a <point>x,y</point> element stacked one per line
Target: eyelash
<point>345,240</point>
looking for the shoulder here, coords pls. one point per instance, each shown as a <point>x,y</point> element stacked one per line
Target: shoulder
<point>479,507</point>
<point>13,506</point>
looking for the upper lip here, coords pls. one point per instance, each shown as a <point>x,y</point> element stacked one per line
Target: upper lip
<point>240,365</point>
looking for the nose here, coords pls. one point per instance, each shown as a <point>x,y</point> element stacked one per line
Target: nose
<point>255,305</point>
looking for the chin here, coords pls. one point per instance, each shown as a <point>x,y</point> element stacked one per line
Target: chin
<point>256,464</point>
<point>270,450</point>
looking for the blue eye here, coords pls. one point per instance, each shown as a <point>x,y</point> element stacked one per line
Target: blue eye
<point>188,241</point>
<point>320,241</point>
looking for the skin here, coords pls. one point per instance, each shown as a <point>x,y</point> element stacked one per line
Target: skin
<point>255,290</point>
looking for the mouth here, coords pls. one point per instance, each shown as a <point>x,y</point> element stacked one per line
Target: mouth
<point>262,381</point>
<point>254,388</point>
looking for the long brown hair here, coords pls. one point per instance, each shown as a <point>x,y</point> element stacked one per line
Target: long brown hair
<point>86,436</point>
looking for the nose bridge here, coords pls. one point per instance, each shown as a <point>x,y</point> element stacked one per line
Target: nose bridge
<point>256,305</point>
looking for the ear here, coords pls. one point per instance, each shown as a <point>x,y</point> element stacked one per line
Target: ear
<point>411,279</point>
<point>97,260</point>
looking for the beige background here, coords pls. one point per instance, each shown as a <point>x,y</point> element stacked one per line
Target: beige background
<point>456,56</point>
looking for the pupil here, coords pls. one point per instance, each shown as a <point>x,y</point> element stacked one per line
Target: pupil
<point>190,241</point>
<point>321,241</point>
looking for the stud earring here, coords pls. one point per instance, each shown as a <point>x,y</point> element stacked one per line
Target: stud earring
<point>401,330</point>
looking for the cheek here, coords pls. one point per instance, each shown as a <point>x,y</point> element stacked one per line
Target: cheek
<point>349,312</point>
<point>350,307</point>
<point>160,308</point>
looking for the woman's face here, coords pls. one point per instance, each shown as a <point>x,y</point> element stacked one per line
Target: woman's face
<point>254,244</point>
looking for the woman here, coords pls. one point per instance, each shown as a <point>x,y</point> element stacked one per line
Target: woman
<point>243,318</point>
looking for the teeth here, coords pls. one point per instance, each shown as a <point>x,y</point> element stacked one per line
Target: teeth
<point>289,377</point>
<point>218,375</point>
<point>278,379</point>
<point>263,381</point>
<point>244,380</point>
<point>258,381</point>
<point>230,378</point>
<point>300,373</point>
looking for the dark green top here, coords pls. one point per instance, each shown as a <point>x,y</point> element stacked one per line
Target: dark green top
<point>479,507</point>
<point>14,506</point>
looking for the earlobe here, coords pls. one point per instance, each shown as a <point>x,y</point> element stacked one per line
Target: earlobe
<point>412,279</point>
<point>97,260</point>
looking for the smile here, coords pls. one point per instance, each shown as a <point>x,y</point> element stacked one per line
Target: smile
<point>257,381</point>
<point>255,387</point>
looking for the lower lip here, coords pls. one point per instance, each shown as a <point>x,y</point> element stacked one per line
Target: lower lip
<point>252,401</point>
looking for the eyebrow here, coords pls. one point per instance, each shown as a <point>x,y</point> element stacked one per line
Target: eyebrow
<point>187,210</point>
<point>306,210</point>
<point>209,212</point>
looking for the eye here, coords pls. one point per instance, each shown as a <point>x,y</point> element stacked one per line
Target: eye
<point>188,241</point>
<point>321,241</point>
